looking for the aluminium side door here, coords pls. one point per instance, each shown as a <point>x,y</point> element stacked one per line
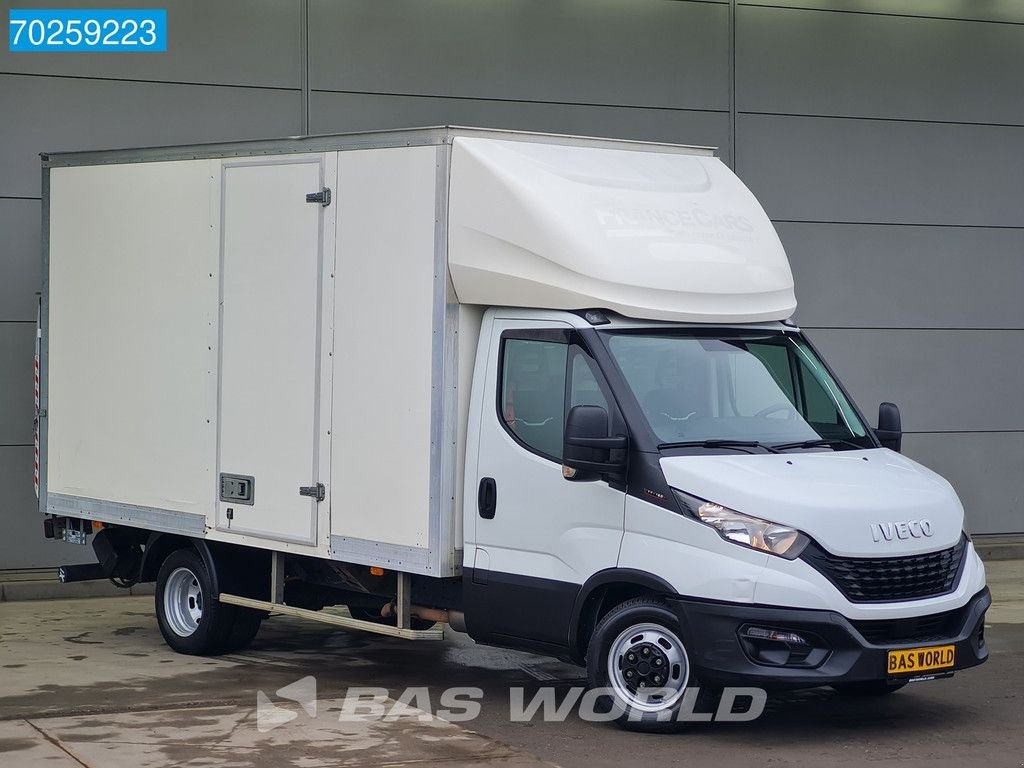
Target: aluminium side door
<point>269,378</point>
<point>539,537</point>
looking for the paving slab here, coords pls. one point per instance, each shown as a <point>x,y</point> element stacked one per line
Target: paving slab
<point>23,745</point>
<point>230,736</point>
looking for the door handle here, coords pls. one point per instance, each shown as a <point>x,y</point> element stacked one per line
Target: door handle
<point>487,498</point>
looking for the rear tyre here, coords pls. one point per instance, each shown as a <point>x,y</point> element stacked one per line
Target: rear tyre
<point>190,620</point>
<point>869,688</point>
<point>243,631</point>
<point>637,657</point>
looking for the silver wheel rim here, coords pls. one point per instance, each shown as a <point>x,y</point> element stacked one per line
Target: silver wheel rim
<point>648,668</point>
<point>183,602</point>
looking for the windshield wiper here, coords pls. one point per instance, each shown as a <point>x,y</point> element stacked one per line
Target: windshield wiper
<point>820,442</point>
<point>721,444</point>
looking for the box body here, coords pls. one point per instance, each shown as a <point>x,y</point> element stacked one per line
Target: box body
<point>212,343</point>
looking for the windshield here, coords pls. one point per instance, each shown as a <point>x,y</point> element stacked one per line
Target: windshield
<point>765,387</point>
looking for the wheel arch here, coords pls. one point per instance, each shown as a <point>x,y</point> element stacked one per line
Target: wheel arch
<point>160,545</point>
<point>602,592</point>
<point>233,568</point>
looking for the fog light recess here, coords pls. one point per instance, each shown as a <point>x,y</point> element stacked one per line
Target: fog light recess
<point>780,647</point>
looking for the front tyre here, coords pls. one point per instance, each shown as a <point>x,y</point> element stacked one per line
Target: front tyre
<point>190,620</point>
<point>637,656</point>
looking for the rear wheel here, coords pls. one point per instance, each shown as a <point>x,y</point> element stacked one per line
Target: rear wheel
<point>243,631</point>
<point>637,656</point>
<point>190,620</point>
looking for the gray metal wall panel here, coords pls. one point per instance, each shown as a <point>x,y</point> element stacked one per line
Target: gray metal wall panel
<point>881,171</point>
<point>943,381</point>
<point>642,53</point>
<point>349,112</point>
<point>878,66</point>
<point>859,275</point>
<point>64,114</point>
<point>984,468</point>
<point>17,348</point>
<point>23,545</point>
<point>984,10</point>
<point>19,260</point>
<point>227,42</point>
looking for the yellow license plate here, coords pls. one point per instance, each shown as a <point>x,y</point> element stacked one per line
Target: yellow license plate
<point>915,660</point>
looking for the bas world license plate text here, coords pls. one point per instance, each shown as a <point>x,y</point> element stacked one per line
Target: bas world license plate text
<point>921,659</point>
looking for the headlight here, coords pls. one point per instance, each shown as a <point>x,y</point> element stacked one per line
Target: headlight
<point>746,531</point>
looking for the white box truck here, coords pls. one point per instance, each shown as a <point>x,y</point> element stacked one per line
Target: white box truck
<point>545,389</point>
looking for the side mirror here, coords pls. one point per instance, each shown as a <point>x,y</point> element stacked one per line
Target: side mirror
<point>890,426</point>
<point>587,452</point>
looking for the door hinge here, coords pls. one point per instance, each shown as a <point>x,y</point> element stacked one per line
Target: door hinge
<point>317,491</point>
<point>323,197</point>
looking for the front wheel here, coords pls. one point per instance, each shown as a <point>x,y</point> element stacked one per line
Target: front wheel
<point>638,657</point>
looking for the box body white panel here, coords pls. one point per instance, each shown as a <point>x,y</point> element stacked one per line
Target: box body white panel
<point>132,334</point>
<point>383,346</point>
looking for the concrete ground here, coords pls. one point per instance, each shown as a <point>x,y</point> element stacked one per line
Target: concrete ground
<point>90,683</point>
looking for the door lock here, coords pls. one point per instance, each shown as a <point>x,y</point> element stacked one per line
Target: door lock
<point>323,197</point>
<point>317,491</point>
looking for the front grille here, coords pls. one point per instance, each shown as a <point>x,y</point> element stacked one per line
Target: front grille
<point>887,579</point>
<point>919,629</point>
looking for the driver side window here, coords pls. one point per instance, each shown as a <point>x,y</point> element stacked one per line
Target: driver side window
<point>534,399</point>
<point>533,393</point>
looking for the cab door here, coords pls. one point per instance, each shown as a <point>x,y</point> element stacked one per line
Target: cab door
<point>536,537</point>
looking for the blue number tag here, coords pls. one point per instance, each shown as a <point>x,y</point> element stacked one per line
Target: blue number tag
<point>56,30</point>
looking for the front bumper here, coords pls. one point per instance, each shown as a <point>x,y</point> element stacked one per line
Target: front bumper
<point>843,653</point>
